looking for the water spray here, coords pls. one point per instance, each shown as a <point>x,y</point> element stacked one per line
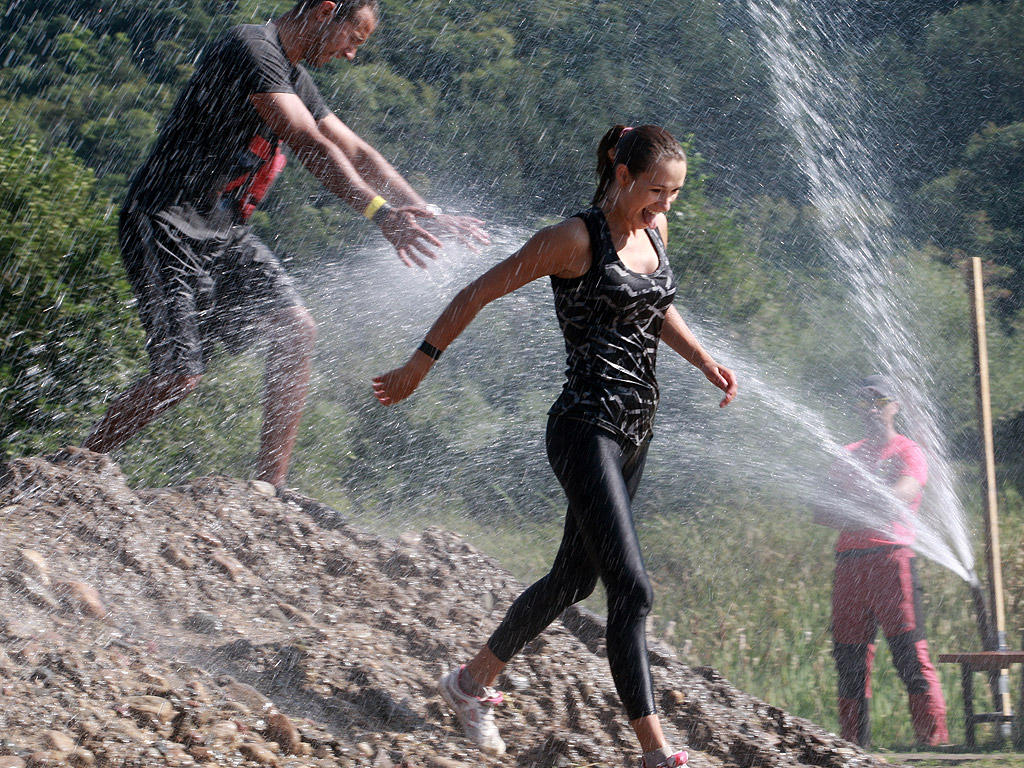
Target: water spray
<point>845,188</point>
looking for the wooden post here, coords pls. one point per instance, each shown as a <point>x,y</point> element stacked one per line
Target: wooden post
<point>995,570</point>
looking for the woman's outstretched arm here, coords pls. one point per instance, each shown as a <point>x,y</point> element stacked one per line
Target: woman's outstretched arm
<point>677,334</point>
<point>562,249</point>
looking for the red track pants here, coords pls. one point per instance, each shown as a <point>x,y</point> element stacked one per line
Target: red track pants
<point>873,588</point>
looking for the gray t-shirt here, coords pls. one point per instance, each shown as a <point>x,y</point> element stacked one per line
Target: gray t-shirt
<point>214,148</point>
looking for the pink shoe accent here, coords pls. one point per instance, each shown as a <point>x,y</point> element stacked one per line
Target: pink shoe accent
<point>672,761</point>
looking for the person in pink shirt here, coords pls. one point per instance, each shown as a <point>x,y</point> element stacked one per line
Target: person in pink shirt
<point>875,494</point>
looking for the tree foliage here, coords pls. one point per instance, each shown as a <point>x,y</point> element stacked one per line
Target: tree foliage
<point>67,326</point>
<point>977,210</point>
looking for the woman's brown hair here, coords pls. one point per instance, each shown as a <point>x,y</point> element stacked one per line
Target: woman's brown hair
<point>636,148</point>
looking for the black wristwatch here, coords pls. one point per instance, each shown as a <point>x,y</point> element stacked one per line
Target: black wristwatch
<point>381,213</point>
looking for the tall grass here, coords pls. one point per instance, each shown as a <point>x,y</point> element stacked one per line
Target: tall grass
<point>751,596</point>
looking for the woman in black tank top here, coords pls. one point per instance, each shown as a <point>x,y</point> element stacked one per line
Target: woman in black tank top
<point>613,290</point>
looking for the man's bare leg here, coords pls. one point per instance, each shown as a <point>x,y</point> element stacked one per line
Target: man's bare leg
<point>136,407</point>
<point>292,334</point>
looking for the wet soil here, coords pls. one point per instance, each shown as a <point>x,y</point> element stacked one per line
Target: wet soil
<point>218,624</point>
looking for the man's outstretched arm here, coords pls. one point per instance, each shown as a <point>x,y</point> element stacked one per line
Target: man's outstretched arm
<point>382,176</point>
<point>369,163</point>
<point>287,116</point>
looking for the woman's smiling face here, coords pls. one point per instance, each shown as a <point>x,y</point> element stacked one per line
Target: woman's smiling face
<point>642,197</point>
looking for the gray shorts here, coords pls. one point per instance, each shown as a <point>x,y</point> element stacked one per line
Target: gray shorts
<point>197,285</point>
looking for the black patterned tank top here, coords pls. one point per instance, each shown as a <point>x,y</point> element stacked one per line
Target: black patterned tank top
<point>611,318</point>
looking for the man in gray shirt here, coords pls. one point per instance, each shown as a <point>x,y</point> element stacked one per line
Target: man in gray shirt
<point>200,274</point>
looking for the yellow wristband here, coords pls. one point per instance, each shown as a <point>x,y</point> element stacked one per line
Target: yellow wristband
<point>374,206</point>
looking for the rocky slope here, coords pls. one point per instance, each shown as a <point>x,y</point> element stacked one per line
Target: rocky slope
<point>213,624</point>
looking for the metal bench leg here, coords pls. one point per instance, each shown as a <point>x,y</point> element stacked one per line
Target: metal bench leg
<point>967,687</point>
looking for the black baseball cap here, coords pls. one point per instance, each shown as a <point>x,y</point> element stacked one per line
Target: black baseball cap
<point>878,386</point>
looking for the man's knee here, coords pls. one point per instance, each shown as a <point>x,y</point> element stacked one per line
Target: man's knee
<point>907,658</point>
<point>295,327</point>
<point>851,669</point>
<point>171,389</point>
<point>305,325</point>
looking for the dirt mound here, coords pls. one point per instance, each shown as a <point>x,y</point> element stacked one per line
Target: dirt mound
<point>212,624</point>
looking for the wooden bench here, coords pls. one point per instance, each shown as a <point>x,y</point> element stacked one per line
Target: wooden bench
<point>981,661</point>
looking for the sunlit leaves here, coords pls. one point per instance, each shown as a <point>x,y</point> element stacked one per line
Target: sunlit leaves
<point>67,329</point>
<point>977,209</point>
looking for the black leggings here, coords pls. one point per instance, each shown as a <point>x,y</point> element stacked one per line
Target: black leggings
<point>599,476</point>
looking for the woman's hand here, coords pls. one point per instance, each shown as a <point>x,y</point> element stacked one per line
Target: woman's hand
<point>562,249</point>
<point>396,385</point>
<point>680,338</point>
<point>721,377</point>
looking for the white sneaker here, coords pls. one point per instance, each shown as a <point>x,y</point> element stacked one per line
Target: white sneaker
<point>674,761</point>
<point>475,713</point>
